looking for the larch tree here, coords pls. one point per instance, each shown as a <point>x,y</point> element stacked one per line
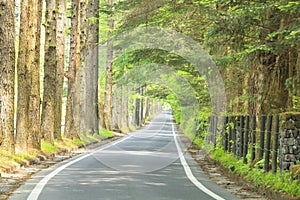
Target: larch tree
<point>80,97</point>
<point>92,119</point>
<point>71,128</point>
<point>7,75</point>
<point>109,64</point>
<point>35,99</point>
<point>50,67</point>
<point>28,104</point>
<point>60,57</point>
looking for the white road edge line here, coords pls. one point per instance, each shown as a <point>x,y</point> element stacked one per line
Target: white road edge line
<point>35,193</point>
<point>189,172</point>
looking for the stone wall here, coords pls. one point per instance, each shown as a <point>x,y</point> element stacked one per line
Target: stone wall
<point>289,140</point>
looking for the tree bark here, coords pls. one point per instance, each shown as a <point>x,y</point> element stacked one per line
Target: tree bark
<point>60,57</point>
<point>298,70</point>
<point>35,99</point>
<point>50,67</point>
<point>7,75</point>
<point>71,128</point>
<point>80,108</point>
<point>28,79</point>
<point>115,112</point>
<point>109,81</point>
<point>92,66</point>
<point>252,91</point>
<point>101,106</point>
<point>23,79</point>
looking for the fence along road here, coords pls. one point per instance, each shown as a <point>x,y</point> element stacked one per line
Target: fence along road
<point>144,165</point>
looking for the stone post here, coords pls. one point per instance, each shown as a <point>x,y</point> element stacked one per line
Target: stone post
<point>289,140</point>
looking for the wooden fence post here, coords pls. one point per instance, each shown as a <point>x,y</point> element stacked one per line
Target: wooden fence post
<point>234,136</point>
<point>262,137</point>
<point>268,143</point>
<point>225,138</point>
<point>253,139</point>
<point>275,145</point>
<point>209,137</point>
<point>215,130</point>
<point>230,134</point>
<point>246,139</point>
<point>241,136</point>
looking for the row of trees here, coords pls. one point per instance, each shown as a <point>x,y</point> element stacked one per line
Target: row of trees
<point>255,45</point>
<point>33,119</point>
<point>44,43</point>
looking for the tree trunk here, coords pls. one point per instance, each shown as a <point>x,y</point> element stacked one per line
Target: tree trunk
<point>137,110</point>
<point>272,91</point>
<point>7,75</point>
<point>115,112</point>
<point>298,75</point>
<point>35,99</point>
<point>108,83</point>
<point>71,128</point>
<point>124,109</point>
<point>50,67</point>
<point>101,106</point>
<point>60,57</point>
<point>252,91</point>
<point>28,79</point>
<point>24,59</point>
<point>80,108</point>
<point>141,109</point>
<point>92,66</point>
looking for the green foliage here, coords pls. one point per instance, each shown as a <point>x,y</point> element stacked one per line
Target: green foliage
<point>198,141</point>
<point>257,175</point>
<point>176,108</point>
<point>105,133</point>
<point>48,147</point>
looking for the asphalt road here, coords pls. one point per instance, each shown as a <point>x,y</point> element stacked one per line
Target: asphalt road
<point>148,164</point>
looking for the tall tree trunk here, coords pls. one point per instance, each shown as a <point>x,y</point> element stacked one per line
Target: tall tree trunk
<point>28,79</point>
<point>92,66</point>
<point>60,57</point>
<point>23,79</point>
<point>124,109</point>
<point>80,108</point>
<point>7,75</point>
<point>252,91</point>
<point>101,106</point>
<point>108,83</point>
<point>141,109</point>
<point>50,66</point>
<point>298,76</point>
<point>115,112</point>
<point>272,89</point>
<point>71,128</point>
<point>35,99</point>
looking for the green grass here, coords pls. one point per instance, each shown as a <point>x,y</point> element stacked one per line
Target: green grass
<point>105,133</point>
<point>277,182</point>
<point>198,141</point>
<point>48,147</point>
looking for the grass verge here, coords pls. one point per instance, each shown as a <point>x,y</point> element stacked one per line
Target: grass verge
<point>276,182</point>
<point>9,163</point>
